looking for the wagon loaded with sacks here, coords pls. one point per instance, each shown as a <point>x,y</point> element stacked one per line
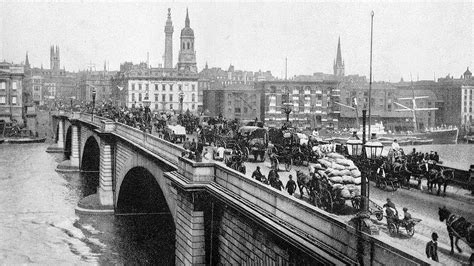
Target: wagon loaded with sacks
<point>332,181</point>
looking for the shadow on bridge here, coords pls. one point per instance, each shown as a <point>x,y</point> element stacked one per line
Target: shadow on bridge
<point>90,167</point>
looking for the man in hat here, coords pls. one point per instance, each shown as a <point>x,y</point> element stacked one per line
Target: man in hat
<point>290,185</point>
<point>432,247</point>
<point>406,214</point>
<point>390,209</point>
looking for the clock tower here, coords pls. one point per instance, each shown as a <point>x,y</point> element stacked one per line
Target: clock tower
<point>187,55</point>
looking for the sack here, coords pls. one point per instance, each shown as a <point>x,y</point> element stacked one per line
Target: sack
<point>336,179</point>
<point>334,172</point>
<point>355,173</point>
<point>345,193</point>
<point>322,174</point>
<point>337,186</point>
<point>344,162</point>
<point>347,179</point>
<point>357,180</point>
<point>324,162</point>
<point>335,155</point>
<point>346,172</point>
<point>338,166</point>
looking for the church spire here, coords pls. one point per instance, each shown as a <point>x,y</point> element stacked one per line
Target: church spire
<point>339,56</point>
<point>186,22</point>
<point>27,61</point>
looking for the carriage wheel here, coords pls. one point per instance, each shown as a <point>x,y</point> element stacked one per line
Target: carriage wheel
<point>246,153</point>
<point>379,216</point>
<point>392,229</point>
<point>315,199</point>
<point>288,164</point>
<point>327,203</point>
<point>356,202</point>
<point>410,230</point>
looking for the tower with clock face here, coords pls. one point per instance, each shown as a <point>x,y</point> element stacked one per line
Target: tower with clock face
<point>187,55</point>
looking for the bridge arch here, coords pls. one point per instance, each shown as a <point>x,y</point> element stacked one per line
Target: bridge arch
<point>140,193</point>
<point>138,167</point>
<point>90,166</point>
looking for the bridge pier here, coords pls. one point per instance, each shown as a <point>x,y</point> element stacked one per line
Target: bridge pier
<point>71,164</point>
<point>59,146</point>
<point>105,190</point>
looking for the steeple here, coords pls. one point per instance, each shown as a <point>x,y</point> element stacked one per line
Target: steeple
<point>186,22</point>
<point>27,61</point>
<point>339,56</point>
<point>338,66</point>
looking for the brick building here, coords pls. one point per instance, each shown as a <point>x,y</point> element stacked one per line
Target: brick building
<point>11,91</point>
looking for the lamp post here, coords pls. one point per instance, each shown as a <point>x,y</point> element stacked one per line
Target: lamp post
<point>287,107</point>
<point>181,98</point>
<point>370,80</point>
<point>147,104</point>
<point>93,102</point>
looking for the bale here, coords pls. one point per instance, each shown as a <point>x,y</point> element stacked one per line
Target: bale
<point>335,155</point>
<point>346,172</point>
<point>324,162</point>
<point>334,172</point>
<point>355,173</point>
<point>357,180</point>
<point>345,193</point>
<point>338,166</point>
<point>344,162</point>
<point>337,186</point>
<point>322,174</point>
<point>336,179</point>
<point>347,179</point>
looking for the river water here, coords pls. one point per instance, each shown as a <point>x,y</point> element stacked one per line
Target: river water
<point>38,223</point>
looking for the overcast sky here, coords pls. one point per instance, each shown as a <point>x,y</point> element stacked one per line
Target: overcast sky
<point>424,39</point>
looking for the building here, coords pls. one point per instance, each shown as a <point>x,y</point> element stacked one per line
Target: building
<point>49,86</point>
<point>100,81</point>
<point>163,89</point>
<point>311,103</point>
<point>11,91</point>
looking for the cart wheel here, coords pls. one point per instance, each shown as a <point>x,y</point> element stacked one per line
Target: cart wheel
<point>326,201</point>
<point>392,229</point>
<point>288,164</point>
<point>356,202</point>
<point>379,216</point>
<point>316,200</point>
<point>410,230</point>
<point>246,153</point>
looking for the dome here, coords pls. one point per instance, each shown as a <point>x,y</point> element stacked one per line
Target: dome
<point>187,32</point>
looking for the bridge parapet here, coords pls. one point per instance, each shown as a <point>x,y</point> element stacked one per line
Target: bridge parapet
<point>196,172</point>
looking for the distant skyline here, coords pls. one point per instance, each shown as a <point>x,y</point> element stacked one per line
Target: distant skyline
<point>426,39</point>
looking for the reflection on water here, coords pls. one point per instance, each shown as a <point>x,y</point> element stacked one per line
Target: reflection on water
<point>38,223</point>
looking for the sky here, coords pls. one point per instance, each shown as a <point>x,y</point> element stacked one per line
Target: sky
<point>425,39</point>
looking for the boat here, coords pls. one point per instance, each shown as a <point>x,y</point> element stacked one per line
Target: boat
<point>422,141</point>
<point>469,139</point>
<point>24,140</point>
<point>2,140</point>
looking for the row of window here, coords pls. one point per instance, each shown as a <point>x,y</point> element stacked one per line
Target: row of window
<point>163,87</point>
<point>156,107</point>
<point>163,97</point>
<point>3,85</point>
<point>3,100</point>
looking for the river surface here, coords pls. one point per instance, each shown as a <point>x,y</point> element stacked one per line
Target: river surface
<point>38,224</point>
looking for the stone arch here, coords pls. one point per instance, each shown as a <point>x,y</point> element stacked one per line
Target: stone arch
<point>140,193</point>
<point>85,134</point>
<point>90,165</point>
<point>157,168</point>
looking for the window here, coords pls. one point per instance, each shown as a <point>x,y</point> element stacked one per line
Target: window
<point>193,87</point>
<point>193,97</point>
<point>171,97</point>
<point>37,88</point>
<point>171,87</point>
<point>188,45</point>
<point>171,106</point>
<point>13,99</point>
<point>192,106</point>
<point>156,106</point>
<point>237,110</point>
<point>139,87</point>
<point>163,97</point>
<point>156,97</point>
<point>180,87</point>
<point>14,85</point>
<point>147,87</point>
<point>133,97</point>
<point>156,87</point>
<point>184,47</point>
<point>2,100</point>
<point>133,86</point>
<point>146,96</point>
<point>139,97</point>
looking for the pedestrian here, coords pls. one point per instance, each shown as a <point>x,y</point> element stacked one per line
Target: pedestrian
<point>432,247</point>
<point>290,186</point>
<point>277,183</point>
<point>257,174</point>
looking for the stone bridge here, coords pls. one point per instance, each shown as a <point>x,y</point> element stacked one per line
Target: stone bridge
<point>220,216</point>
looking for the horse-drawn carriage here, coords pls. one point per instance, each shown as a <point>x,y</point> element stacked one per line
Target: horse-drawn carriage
<point>174,133</point>
<point>290,148</point>
<point>252,140</point>
<point>235,160</point>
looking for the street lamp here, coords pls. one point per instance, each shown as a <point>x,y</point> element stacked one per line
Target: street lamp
<point>287,107</point>
<point>373,149</point>
<point>147,104</point>
<point>181,98</point>
<point>354,146</point>
<point>93,102</point>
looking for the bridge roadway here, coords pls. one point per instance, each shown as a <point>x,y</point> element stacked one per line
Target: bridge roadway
<point>422,204</point>
<point>254,223</point>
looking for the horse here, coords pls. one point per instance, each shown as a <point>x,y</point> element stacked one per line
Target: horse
<point>458,228</point>
<point>439,177</point>
<point>304,181</point>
